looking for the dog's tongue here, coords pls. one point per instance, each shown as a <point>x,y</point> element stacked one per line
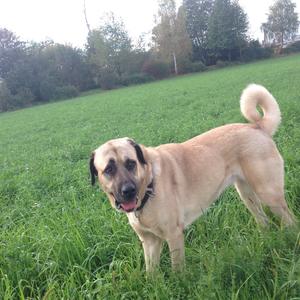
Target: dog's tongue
<point>128,206</point>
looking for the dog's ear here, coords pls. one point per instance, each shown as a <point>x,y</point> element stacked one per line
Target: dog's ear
<point>93,170</point>
<point>139,152</point>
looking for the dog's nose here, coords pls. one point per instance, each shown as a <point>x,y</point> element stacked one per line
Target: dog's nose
<point>128,191</point>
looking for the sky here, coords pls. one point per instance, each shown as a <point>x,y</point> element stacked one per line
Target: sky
<point>63,20</point>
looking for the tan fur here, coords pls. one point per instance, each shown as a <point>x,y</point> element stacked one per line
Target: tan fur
<point>256,95</point>
<point>188,177</point>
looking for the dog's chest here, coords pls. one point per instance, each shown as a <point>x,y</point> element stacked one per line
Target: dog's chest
<point>140,224</point>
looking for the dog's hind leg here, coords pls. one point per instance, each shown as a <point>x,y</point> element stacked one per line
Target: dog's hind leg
<point>277,204</point>
<point>252,202</point>
<point>266,180</point>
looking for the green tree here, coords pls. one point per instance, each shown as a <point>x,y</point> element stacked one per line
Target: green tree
<point>118,44</point>
<point>171,41</point>
<point>109,51</point>
<point>139,55</point>
<point>163,34</point>
<point>6,97</point>
<point>12,50</point>
<point>48,71</point>
<point>227,30</point>
<point>68,65</point>
<point>97,54</point>
<point>282,24</point>
<point>183,43</point>
<point>240,26</point>
<point>197,19</point>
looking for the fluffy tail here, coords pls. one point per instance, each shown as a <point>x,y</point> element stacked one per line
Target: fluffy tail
<point>256,95</point>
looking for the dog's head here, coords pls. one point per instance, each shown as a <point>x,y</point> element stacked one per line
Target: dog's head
<point>123,172</point>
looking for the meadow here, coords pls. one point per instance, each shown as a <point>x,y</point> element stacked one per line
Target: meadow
<point>59,237</point>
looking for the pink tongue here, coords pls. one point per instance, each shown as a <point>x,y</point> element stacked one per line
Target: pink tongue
<point>128,205</point>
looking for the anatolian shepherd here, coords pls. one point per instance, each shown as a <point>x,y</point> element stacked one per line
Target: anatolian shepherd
<point>164,189</point>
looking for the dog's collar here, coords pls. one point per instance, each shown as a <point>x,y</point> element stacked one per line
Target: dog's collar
<point>149,193</point>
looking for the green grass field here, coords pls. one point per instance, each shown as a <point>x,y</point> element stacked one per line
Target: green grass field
<point>59,237</point>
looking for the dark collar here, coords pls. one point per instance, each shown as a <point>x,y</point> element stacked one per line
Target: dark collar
<point>149,193</point>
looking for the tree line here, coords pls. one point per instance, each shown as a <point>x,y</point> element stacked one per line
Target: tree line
<point>198,35</point>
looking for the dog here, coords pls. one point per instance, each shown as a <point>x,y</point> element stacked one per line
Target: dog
<point>164,189</point>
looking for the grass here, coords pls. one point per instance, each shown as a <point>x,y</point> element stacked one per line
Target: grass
<point>60,239</point>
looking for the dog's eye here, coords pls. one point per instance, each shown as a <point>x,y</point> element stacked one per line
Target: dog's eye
<point>110,170</point>
<point>130,165</point>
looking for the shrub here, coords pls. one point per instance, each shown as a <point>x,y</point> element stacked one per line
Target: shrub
<point>198,66</point>
<point>64,92</point>
<point>47,89</point>
<point>254,51</point>
<point>109,80</point>
<point>157,69</point>
<point>292,48</point>
<point>187,66</point>
<point>184,67</point>
<point>6,97</point>
<point>24,97</point>
<point>136,78</point>
<point>222,64</point>
<point>266,52</point>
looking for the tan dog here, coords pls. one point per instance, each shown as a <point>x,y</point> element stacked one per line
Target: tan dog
<point>164,189</point>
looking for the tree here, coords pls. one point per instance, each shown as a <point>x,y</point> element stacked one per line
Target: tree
<point>109,51</point>
<point>183,43</point>
<point>139,55</point>
<point>48,71</point>
<point>68,65</point>
<point>197,19</point>
<point>118,44</point>
<point>5,97</point>
<point>163,34</point>
<point>170,37</point>
<point>227,30</point>
<point>12,50</point>
<point>282,24</point>
<point>97,53</point>
<point>240,26</point>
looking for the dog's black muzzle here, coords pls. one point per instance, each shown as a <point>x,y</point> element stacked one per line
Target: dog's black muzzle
<point>128,191</point>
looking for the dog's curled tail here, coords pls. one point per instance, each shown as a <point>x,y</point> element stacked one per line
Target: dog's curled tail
<point>256,95</point>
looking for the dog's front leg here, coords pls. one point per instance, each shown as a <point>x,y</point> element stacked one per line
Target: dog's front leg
<point>152,248</point>
<point>176,247</point>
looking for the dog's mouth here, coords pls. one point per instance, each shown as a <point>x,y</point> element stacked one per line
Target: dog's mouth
<point>126,206</point>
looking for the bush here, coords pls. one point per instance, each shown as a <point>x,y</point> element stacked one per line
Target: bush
<point>8,101</point>
<point>198,66</point>
<point>65,92</point>
<point>47,89</point>
<point>24,97</point>
<point>292,48</point>
<point>266,52</point>
<point>222,64</point>
<point>156,69</point>
<point>187,66</point>
<point>6,97</point>
<point>137,78</point>
<point>109,80</point>
<point>254,51</point>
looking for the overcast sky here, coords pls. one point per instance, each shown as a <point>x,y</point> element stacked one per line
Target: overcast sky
<point>63,20</point>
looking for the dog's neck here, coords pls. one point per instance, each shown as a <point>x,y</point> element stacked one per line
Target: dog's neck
<point>148,194</point>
